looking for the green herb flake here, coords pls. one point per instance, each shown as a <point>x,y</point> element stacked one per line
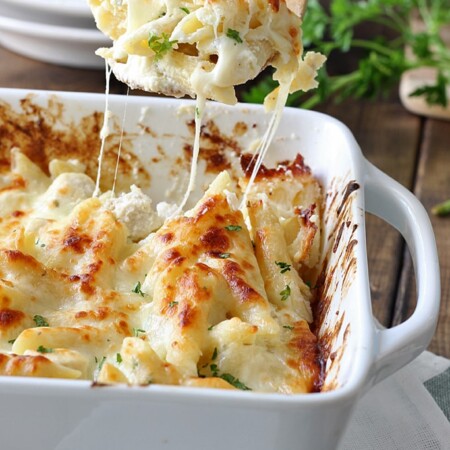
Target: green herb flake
<point>285,293</point>
<point>210,328</point>
<point>102,361</point>
<point>214,355</point>
<point>119,358</point>
<point>224,255</point>
<point>442,209</point>
<point>233,34</point>
<point>161,45</point>
<point>233,228</point>
<point>184,9</point>
<point>285,267</point>
<point>172,304</point>
<point>138,289</point>
<point>42,349</point>
<point>234,381</point>
<point>214,370</point>
<point>136,331</point>
<point>288,327</point>
<point>11,341</point>
<point>40,321</point>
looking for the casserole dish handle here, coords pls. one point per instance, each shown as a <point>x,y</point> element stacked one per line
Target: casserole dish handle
<point>389,200</point>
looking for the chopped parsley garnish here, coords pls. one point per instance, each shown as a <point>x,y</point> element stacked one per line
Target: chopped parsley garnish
<point>119,358</point>
<point>11,341</point>
<point>210,328</point>
<point>40,321</point>
<point>184,9</point>
<point>233,228</point>
<point>234,381</point>
<point>136,331</point>
<point>102,361</point>
<point>161,45</point>
<point>37,242</point>
<point>214,355</point>
<point>224,255</point>
<point>214,370</point>
<point>138,289</point>
<point>197,112</point>
<point>42,349</point>
<point>288,327</point>
<point>285,267</point>
<point>285,293</point>
<point>233,34</point>
<point>172,304</point>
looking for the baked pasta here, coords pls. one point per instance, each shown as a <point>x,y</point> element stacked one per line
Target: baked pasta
<point>103,289</point>
<point>203,48</point>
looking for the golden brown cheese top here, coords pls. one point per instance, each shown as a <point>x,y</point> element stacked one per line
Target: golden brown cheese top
<point>212,298</point>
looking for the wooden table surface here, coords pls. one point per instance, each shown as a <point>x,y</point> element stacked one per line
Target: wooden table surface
<point>413,150</point>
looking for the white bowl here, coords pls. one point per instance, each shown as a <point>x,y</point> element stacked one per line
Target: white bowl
<point>69,415</point>
<point>75,13</point>
<point>73,47</point>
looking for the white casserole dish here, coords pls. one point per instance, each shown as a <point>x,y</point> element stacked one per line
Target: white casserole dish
<point>63,415</point>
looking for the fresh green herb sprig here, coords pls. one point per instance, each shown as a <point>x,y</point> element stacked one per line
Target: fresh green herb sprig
<point>137,331</point>
<point>161,45</point>
<point>137,289</point>
<point>285,293</point>
<point>284,267</point>
<point>332,32</point>
<point>233,34</point>
<point>42,349</point>
<point>233,228</point>
<point>40,321</point>
<point>234,381</point>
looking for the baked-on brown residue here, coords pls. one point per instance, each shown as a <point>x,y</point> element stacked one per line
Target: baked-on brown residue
<point>215,147</point>
<point>337,273</point>
<point>297,167</point>
<point>32,129</point>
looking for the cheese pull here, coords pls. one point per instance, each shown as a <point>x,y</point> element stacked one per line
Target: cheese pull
<point>202,49</point>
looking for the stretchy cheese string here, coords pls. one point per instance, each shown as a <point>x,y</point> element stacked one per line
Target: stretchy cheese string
<point>120,143</point>
<point>104,133</point>
<point>267,139</point>
<point>199,111</point>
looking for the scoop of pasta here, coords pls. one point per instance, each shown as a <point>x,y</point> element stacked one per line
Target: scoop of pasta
<point>204,48</point>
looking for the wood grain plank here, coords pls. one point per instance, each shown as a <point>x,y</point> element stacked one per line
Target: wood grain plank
<point>389,138</point>
<point>432,186</point>
<point>24,73</point>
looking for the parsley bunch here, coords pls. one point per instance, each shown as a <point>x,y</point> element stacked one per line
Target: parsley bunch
<point>334,32</point>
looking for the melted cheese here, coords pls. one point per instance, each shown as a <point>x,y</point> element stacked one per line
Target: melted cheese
<point>204,49</point>
<point>195,302</point>
<point>208,47</point>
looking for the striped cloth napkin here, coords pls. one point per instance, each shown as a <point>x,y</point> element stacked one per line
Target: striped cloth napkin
<point>407,411</point>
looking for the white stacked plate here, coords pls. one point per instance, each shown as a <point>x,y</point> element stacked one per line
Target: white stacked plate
<point>55,31</point>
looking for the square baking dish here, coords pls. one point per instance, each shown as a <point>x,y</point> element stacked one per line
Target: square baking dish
<point>49,414</point>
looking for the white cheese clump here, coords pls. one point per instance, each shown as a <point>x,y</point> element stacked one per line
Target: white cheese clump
<point>134,209</point>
